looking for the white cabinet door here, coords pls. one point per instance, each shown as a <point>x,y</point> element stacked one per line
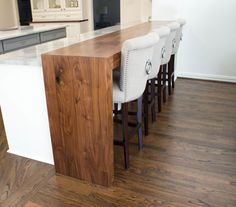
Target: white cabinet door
<point>146,10</point>
<point>72,5</point>
<point>54,5</point>
<point>38,5</point>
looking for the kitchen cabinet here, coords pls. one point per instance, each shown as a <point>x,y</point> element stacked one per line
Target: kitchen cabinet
<point>56,10</point>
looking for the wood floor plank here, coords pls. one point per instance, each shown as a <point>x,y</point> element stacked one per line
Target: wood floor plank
<point>30,204</point>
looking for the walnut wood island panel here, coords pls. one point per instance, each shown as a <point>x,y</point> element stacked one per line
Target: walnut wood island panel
<point>78,84</point>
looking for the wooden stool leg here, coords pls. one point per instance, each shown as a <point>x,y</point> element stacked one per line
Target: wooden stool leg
<point>125,133</point>
<point>116,106</point>
<point>145,103</point>
<point>159,91</point>
<point>169,77</point>
<point>139,119</point>
<point>164,83</point>
<point>173,71</point>
<point>153,105</point>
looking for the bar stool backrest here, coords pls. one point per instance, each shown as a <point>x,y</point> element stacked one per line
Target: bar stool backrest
<point>171,42</point>
<point>136,57</point>
<point>179,35</point>
<point>159,51</point>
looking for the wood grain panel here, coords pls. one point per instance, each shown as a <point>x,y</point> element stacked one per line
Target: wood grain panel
<point>93,95</point>
<point>79,96</point>
<point>58,144</point>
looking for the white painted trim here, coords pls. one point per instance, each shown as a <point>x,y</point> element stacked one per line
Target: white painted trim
<point>201,76</point>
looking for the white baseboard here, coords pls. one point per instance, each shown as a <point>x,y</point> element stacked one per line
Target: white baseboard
<point>230,79</point>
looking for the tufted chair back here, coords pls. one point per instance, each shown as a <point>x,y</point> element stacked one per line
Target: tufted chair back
<point>136,57</point>
<point>179,35</point>
<point>159,51</point>
<point>171,42</point>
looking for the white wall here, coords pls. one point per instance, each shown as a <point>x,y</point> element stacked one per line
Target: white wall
<point>209,47</point>
<point>135,11</point>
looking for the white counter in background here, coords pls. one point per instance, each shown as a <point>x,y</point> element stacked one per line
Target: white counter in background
<point>26,30</point>
<point>23,101</point>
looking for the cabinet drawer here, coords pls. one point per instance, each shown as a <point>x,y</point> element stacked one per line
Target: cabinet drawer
<point>20,42</point>
<point>1,49</point>
<point>52,35</point>
<point>71,16</point>
<point>44,17</point>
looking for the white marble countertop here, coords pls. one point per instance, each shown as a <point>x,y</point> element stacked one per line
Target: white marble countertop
<point>32,55</point>
<point>27,30</point>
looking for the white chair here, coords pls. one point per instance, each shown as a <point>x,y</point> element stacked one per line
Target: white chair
<point>171,64</point>
<point>179,35</point>
<point>136,57</point>
<point>170,44</point>
<point>159,53</point>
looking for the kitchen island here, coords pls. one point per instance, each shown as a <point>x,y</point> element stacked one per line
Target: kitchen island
<point>78,107</point>
<point>78,84</point>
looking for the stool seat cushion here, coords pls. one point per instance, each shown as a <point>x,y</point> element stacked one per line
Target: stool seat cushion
<point>118,95</point>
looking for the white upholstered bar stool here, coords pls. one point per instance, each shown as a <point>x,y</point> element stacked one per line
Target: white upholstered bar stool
<point>136,57</point>
<point>170,43</point>
<point>159,53</point>
<point>171,64</point>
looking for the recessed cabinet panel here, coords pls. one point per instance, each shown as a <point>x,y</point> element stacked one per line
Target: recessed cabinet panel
<point>20,42</point>
<point>38,5</point>
<point>54,4</point>
<point>52,35</point>
<point>41,16</point>
<point>72,4</point>
<point>1,49</point>
<point>71,15</point>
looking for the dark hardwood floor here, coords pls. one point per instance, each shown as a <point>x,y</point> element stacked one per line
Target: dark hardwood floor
<point>188,160</point>
<point>3,140</point>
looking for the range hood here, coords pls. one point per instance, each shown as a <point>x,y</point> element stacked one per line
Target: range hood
<point>8,15</point>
